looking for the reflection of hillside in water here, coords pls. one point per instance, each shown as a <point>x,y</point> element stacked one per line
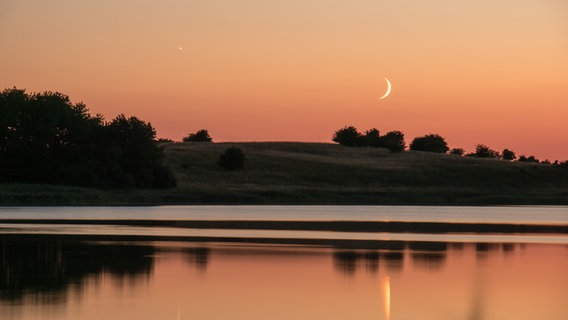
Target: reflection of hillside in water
<point>45,270</point>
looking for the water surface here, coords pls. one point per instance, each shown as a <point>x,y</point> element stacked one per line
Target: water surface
<point>81,271</point>
<point>94,280</point>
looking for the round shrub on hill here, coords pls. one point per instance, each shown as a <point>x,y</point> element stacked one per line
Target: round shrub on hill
<point>393,140</point>
<point>348,136</point>
<point>483,151</point>
<point>430,143</point>
<point>508,155</point>
<point>232,159</point>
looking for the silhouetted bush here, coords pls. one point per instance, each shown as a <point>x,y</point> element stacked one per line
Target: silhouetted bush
<point>200,136</point>
<point>232,159</point>
<point>348,136</point>
<point>483,151</point>
<point>530,159</point>
<point>457,151</point>
<point>508,155</point>
<point>372,138</point>
<point>44,138</point>
<point>430,143</point>
<point>393,140</point>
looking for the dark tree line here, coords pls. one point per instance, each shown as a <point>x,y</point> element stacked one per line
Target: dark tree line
<point>483,151</point>
<point>394,141</point>
<point>44,138</point>
<point>349,136</point>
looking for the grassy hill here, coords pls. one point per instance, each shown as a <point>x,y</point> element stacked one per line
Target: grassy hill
<point>328,173</point>
<point>320,173</point>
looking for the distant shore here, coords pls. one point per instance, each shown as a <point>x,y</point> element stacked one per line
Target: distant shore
<point>293,173</point>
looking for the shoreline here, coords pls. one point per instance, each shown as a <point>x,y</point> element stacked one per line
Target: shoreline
<point>354,244</point>
<point>54,195</point>
<point>335,226</point>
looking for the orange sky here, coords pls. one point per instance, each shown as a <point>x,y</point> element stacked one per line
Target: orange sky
<point>491,72</point>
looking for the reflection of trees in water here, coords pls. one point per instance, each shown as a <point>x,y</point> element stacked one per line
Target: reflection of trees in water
<point>372,261</point>
<point>198,256</point>
<point>391,254</point>
<point>428,255</point>
<point>429,260</point>
<point>508,247</point>
<point>347,261</point>
<point>394,260</point>
<point>46,269</point>
<point>457,246</point>
<point>484,249</point>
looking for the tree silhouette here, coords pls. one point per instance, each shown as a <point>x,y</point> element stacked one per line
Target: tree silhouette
<point>483,151</point>
<point>430,143</point>
<point>372,138</point>
<point>508,155</point>
<point>530,159</point>
<point>199,136</point>
<point>137,152</point>
<point>348,136</point>
<point>393,140</point>
<point>44,138</point>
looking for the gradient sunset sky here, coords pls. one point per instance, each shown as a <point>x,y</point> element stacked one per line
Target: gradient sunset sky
<point>489,71</point>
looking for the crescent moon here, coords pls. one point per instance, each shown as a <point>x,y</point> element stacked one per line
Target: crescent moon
<point>388,90</point>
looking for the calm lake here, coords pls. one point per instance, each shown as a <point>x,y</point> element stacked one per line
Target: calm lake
<point>185,262</point>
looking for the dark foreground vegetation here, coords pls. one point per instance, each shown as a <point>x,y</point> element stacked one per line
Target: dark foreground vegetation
<point>44,138</point>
